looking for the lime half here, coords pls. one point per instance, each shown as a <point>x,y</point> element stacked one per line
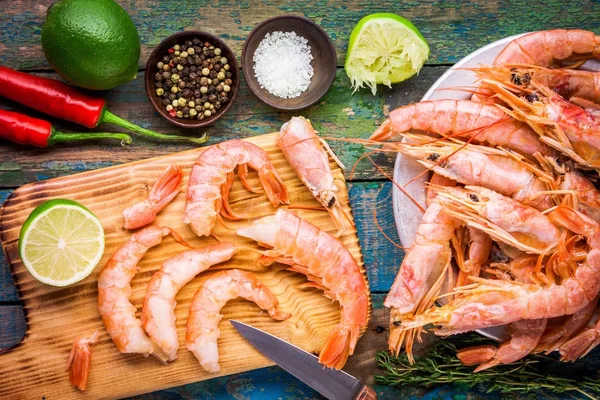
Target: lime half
<point>61,242</point>
<point>384,48</point>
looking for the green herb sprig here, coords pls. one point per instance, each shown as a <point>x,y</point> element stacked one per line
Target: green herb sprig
<point>441,366</point>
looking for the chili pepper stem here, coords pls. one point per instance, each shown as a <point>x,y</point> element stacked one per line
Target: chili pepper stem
<point>111,118</point>
<point>58,137</point>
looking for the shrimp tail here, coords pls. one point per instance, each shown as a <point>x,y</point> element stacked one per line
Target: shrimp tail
<point>159,354</point>
<point>384,132</point>
<point>484,356</point>
<point>340,218</point>
<point>79,361</point>
<point>274,187</point>
<point>166,187</point>
<point>340,344</point>
<point>579,346</point>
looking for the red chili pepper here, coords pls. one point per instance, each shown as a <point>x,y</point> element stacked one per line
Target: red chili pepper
<point>63,101</point>
<point>22,129</point>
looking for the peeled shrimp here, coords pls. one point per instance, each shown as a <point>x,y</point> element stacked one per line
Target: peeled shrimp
<point>501,217</point>
<point>164,190</point>
<point>79,361</point>
<point>215,292</point>
<point>557,334</point>
<point>300,145</point>
<point>481,166</point>
<point>524,336</point>
<point>158,317</point>
<point>461,118</point>
<point>582,343</point>
<point>545,48</point>
<point>114,290</point>
<point>494,302</point>
<point>212,176</point>
<point>329,265</point>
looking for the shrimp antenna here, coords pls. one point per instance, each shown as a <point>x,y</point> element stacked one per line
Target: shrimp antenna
<point>389,239</point>
<point>412,199</point>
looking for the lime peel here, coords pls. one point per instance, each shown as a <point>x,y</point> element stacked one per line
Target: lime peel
<point>61,242</point>
<point>384,48</point>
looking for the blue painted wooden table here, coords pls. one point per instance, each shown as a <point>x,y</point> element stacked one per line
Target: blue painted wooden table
<point>452,28</point>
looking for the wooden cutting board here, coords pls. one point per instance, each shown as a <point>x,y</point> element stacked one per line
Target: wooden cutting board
<point>56,316</point>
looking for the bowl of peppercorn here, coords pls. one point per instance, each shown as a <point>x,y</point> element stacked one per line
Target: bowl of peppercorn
<point>192,79</point>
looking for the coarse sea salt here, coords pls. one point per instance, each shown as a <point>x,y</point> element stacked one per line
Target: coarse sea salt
<point>282,64</point>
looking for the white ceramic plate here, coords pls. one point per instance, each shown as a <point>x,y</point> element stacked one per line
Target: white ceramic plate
<point>407,214</point>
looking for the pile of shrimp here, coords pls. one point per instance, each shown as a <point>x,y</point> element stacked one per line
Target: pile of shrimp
<point>289,240</point>
<point>511,232</point>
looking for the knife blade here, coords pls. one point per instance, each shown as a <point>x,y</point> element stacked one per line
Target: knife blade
<point>331,383</point>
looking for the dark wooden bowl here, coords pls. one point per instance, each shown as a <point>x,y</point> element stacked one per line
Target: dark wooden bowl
<point>160,51</point>
<point>324,60</point>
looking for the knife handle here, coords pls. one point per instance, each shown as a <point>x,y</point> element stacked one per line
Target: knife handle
<point>366,393</point>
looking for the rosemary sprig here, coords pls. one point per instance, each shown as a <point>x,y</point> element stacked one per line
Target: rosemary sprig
<point>441,366</point>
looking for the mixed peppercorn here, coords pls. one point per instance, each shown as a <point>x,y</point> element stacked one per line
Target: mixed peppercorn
<point>193,80</point>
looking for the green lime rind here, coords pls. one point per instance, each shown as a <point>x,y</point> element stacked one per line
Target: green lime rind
<point>40,213</point>
<point>384,48</point>
<point>91,43</point>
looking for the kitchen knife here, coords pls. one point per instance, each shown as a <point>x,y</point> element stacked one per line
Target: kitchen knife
<point>331,383</point>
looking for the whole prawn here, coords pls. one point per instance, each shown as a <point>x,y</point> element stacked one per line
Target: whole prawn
<point>212,176</point>
<point>114,290</point>
<point>158,317</point>
<point>501,217</point>
<point>476,165</point>
<point>211,297</point>
<point>545,48</point>
<point>568,128</point>
<point>495,302</point>
<point>329,265</point>
<point>300,145</point>
<point>463,119</point>
<point>164,190</point>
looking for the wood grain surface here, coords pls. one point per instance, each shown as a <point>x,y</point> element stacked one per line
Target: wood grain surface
<point>56,316</point>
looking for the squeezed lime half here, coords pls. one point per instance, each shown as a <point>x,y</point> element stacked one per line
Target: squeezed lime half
<point>384,48</point>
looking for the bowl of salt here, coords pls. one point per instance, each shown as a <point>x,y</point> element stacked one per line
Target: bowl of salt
<point>289,62</point>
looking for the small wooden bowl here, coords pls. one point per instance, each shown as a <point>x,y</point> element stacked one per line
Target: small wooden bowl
<point>324,60</point>
<point>161,50</point>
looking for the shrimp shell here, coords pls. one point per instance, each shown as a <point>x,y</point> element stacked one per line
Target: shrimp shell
<point>329,265</point>
<point>203,321</point>
<point>165,189</point>
<point>300,145</point>
<point>461,118</point>
<point>158,317</point>
<point>79,361</point>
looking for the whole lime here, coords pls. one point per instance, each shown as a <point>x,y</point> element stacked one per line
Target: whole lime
<point>91,43</point>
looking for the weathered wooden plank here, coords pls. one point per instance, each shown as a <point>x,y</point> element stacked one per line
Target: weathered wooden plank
<point>340,114</point>
<point>452,29</point>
